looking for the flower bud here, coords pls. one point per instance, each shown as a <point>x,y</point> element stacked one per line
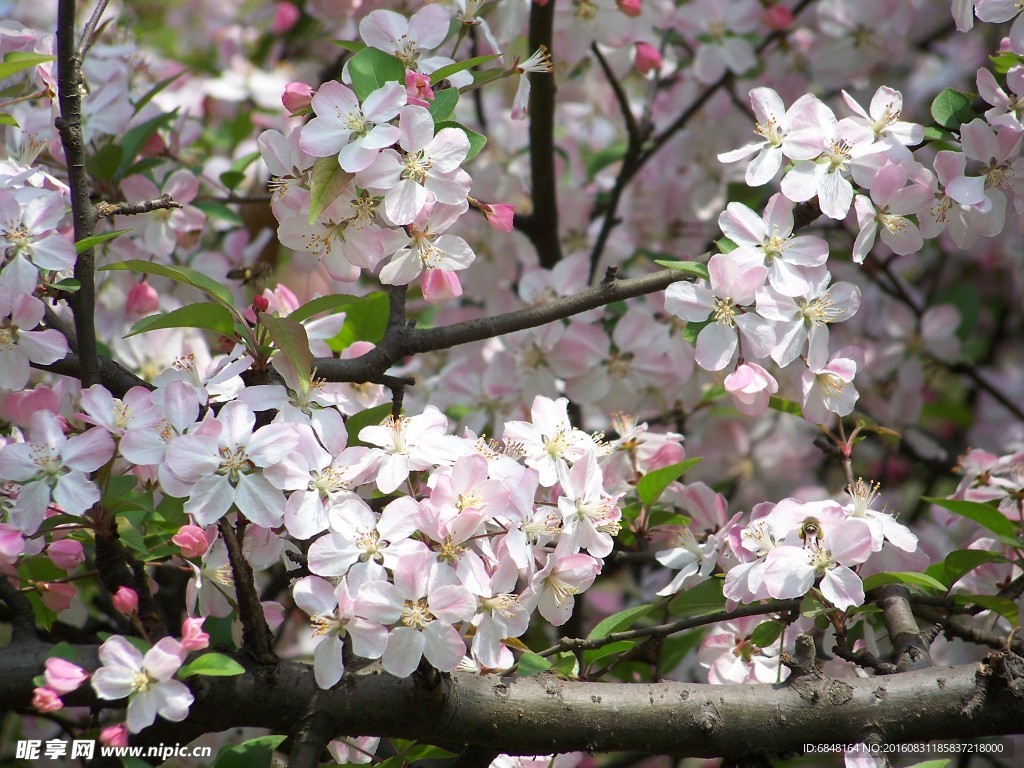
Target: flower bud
<point>126,600</point>
<point>56,596</point>
<point>440,285</point>
<point>191,540</point>
<point>297,98</point>
<point>63,676</point>
<point>417,86</point>
<point>192,636</point>
<point>66,554</point>
<point>45,700</point>
<point>778,17</point>
<point>630,7</point>
<point>114,736</point>
<point>142,300</point>
<point>286,16</point>
<point>648,58</point>
<point>260,304</point>
<point>498,215</point>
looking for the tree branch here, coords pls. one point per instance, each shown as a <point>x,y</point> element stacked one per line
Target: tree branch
<point>909,650</point>
<point>257,638</point>
<point>69,125</point>
<point>541,226</point>
<point>514,715</point>
<point>23,619</point>
<point>164,202</point>
<point>402,341</point>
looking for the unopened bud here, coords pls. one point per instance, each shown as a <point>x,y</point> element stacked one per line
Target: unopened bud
<point>126,600</point>
<point>297,98</point>
<point>648,58</point>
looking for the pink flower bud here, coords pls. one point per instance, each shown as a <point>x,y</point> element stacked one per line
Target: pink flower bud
<point>417,86</point>
<point>440,285</point>
<point>648,58</point>
<point>142,300</point>
<point>751,386</point>
<point>778,17</point>
<point>297,98</point>
<point>65,554</point>
<point>286,16</point>
<point>115,736</point>
<point>11,544</point>
<point>498,215</point>
<point>56,596</point>
<point>191,540</point>
<point>126,600</point>
<point>192,636</point>
<point>630,7</point>
<point>260,304</point>
<point>63,676</point>
<point>45,700</point>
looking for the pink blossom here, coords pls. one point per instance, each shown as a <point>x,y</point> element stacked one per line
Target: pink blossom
<point>550,442</point>
<point>19,344</point>
<point>66,554</point>
<point>409,444</point>
<point>115,735</point>
<point>55,595</point>
<point>126,600</point>
<point>63,676</point>
<point>631,8</point>
<point>553,589</point>
<point>193,638</point>
<point>297,98</point>
<point>191,539</point>
<point>46,700</point>
<point>828,388</point>
<point>440,285</point>
<point>286,15</point>
<point>142,300</point>
<point>778,17</point>
<point>417,88</point>
<point>28,221</point>
<point>144,679</point>
<point>648,58</point>
<point>404,37</point>
<point>751,386</point>
<point>730,657</point>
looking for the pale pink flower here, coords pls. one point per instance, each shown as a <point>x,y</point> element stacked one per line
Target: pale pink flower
<point>298,98</point>
<point>403,37</point>
<point>828,388</point>
<point>730,657</point>
<point>161,230</point>
<point>882,119</point>
<point>410,444</point>
<point>886,211</point>
<point>19,344</point>
<point>426,170</point>
<point>998,11</point>
<point>355,133</point>
<point>1006,110</point>
<point>63,676</point>
<point>440,285</point>
<point>28,221</point>
<point>193,638</point>
<point>417,89</point>
<point>425,611</point>
<point>720,30</point>
<point>550,442</point>
<point>46,700</point>
<point>553,589</point>
<point>426,248</point>
<point>52,467</point>
<point>590,516</point>
<point>356,751</point>
<point>145,679</point>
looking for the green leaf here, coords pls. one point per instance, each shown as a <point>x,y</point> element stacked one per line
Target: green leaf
<point>212,665</point>
<point>612,649</point>
<point>332,303</point>
<point>725,245</point>
<point>1004,606</point>
<point>443,106</point>
<point>232,179</point>
<point>105,162</point>
<point>366,319</point>
<point>92,241</point>
<point>459,66</point>
<point>152,92</point>
<point>903,577</point>
<point>203,314</point>
<point>68,285</point>
<point>604,157</point>
<point>939,763</point>
<point>355,46</point>
<point>1005,61</point>
<point>290,339</point>
<point>426,752</point>
<point>218,212</point>
<point>961,562</point>
<point>64,650</point>
<point>951,109</point>
<point>476,140</point>
<point>135,138</point>
<point>531,664</point>
<point>18,61</point>
<point>326,183</point>
<point>254,753</point>
<point>984,515</point>
<point>620,621</point>
<point>566,664</point>
<point>368,418</point>
<point>704,598</point>
<point>184,275</point>
<point>766,633</point>
<point>6,119</point>
<point>786,406</point>
<point>370,69</point>
<point>653,484</point>
<point>690,267</point>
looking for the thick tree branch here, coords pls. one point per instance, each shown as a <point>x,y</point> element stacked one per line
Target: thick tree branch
<point>257,638</point>
<point>909,650</point>
<point>69,89</point>
<point>23,620</point>
<point>515,715</point>
<point>113,375</point>
<point>402,341</point>
<point>541,226</point>
<point>309,739</point>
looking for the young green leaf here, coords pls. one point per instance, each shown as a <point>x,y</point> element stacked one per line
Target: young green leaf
<point>203,314</point>
<point>476,140</point>
<point>371,68</point>
<point>951,109</point>
<point>531,664</point>
<point>653,484</point>
<point>326,183</point>
<point>184,275</point>
<point>18,61</point>
<point>459,66</point>
<point>92,241</point>
<point>983,514</point>
<point>290,339</point>
<point>213,665</point>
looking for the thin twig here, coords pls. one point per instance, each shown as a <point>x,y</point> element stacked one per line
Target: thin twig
<point>164,202</point>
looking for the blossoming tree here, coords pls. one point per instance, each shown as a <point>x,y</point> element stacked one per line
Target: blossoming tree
<point>348,351</point>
